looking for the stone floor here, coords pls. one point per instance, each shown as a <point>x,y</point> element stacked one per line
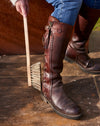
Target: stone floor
<point>21,105</point>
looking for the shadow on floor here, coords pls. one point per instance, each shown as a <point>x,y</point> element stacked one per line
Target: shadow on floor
<point>84,93</point>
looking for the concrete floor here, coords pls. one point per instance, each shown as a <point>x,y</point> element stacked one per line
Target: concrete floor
<point>21,105</point>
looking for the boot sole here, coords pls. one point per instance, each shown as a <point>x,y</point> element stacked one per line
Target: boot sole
<point>83,69</point>
<point>77,117</point>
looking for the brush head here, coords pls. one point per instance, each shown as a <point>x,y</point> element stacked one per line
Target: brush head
<point>36,75</point>
<point>98,104</point>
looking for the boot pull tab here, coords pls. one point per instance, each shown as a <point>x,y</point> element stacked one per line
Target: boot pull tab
<point>46,36</point>
<point>48,27</point>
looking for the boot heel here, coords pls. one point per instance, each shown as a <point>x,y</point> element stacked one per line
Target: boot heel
<point>68,59</point>
<point>44,99</point>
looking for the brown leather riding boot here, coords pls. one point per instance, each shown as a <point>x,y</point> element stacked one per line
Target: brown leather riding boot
<point>55,42</point>
<point>76,50</point>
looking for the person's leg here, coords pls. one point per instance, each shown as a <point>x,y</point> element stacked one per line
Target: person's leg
<point>95,4</point>
<point>66,11</point>
<point>76,49</point>
<point>55,39</point>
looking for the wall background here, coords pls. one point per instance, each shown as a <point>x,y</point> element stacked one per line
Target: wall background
<point>11,27</point>
<point>12,33</point>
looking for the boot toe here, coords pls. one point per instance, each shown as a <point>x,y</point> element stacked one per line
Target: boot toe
<point>96,68</point>
<point>74,111</point>
<point>93,67</point>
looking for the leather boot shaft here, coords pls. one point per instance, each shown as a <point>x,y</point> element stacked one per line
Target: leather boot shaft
<point>85,22</point>
<point>55,41</point>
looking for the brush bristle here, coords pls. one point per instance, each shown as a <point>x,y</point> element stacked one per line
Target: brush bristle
<point>36,75</point>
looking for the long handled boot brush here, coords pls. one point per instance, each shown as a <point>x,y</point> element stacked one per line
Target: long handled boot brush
<point>33,71</point>
<point>97,88</point>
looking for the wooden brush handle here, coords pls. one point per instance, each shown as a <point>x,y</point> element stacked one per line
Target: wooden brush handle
<point>27,49</point>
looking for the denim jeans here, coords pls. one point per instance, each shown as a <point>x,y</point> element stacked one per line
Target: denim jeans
<point>66,11</point>
<point>92,3</point>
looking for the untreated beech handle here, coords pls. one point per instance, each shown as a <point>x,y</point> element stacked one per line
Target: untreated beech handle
<point>27,49</point>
